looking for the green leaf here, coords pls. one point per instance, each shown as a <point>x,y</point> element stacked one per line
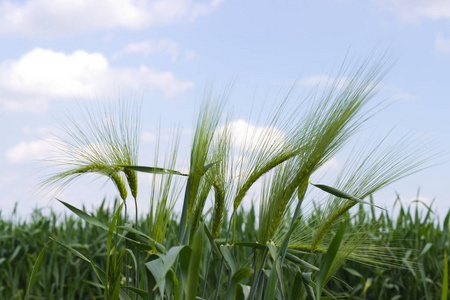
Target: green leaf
<point>142,293</point>
<point>309,285</point>
<point>353,272</point>
<point>152,170</point>
<point>34,270</point>
<point>242,292</point>
<point>86,217</point>
<point>75,252</point>
<point>338,193</point>
<point>123,295</point>
<point>206,168</point>
<point>300,261</point>
<point>238,277</point>
<point>184,212</point>
<point>111,230</point>
<point>157,245</point>
<point>276,270</point>
<point>328,259</point>
<point>227,252</point>
<point>194,264</point>
<point>251,245</point>
<point>99,272</point>
<point>426,248</point>
<point>212,241</point>
<point>445,278</point>
<point>297,291</point>
<point>168,261</point>
<point>156,267</point>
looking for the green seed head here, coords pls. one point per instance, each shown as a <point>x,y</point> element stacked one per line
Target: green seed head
<point>132,181</point>
<point>115,177</point>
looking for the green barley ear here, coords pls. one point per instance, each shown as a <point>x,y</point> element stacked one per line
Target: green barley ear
<point>98,141</point>
<point>392,162</point>
<point>118,182</point>
<point>219,208</point>
<point>132,181</point>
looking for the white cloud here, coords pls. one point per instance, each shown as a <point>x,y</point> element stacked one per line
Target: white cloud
<point>251,137</point>
<point>329,166</point>
<point>65,17</point>
<point>147,47</point>
<point>413,10</point>
<point>41,74</point>
<point>28,151</point>
<point>40,131</point>
<point>148,137</point>
<point>441,44</point>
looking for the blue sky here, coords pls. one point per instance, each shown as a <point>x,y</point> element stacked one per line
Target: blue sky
<point>55,52</point>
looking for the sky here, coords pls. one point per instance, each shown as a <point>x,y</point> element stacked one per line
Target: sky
<point>168,52</point>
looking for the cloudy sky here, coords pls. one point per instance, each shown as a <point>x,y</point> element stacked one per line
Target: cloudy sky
<point>55,52</point>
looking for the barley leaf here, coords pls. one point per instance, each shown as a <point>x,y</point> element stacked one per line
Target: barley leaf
<point>86,217</point>
<point>194,264</point>
<point>328,259</point>
<point>168,261</point>
<point>140,292</point>
<point>238,277</point>
<point>445,277</point>
<point>34,270</point>
<point>156,267</point>
<point>153,170</point>
<point>227,252</point>
<point>338,193</point>
<point>157,245</point>
<point>77,253</point>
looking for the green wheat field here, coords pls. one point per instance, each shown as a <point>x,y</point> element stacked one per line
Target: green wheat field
<point>300,239</point>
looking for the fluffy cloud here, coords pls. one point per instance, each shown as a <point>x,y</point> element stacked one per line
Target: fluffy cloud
<point>441,44</point>
<point>413,10</point>
<point>148,47</point>
<point>28,151</point>
<point>251,137</point>
<point>41,74</point>
<point>62,17</point>
<point>148,137</point>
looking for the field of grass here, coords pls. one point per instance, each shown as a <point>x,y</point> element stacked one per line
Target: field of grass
<point>301,245</point>
<point>62,275</point>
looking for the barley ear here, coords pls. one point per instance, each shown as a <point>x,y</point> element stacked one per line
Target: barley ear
<point>219,207</point>
<point>132,181</point>
<point>284,204</point>
<point>115,177</point>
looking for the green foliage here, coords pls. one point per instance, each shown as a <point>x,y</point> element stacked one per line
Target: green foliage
<point>63,274</point>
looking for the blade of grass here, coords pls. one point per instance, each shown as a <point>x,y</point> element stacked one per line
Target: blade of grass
<point>327,262</point>
<point>445,277</point>
<point>34,270</point>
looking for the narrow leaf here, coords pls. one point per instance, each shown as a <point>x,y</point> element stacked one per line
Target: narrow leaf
<point>445,278</point>
<point>227,252</point>
<point>194,264</point>
<point>152,170</point>
<point>238,277</point>
<point>34,270</point>
<point>328,259</point>
<point>86,217</point>
<point>338,193</point>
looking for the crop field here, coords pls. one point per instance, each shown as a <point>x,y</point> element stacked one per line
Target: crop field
<point>289,245</point>
<point>419,273</point>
